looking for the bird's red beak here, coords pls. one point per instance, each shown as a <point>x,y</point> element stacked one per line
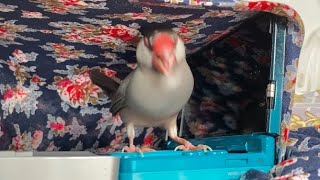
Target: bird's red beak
<point>164,53</point>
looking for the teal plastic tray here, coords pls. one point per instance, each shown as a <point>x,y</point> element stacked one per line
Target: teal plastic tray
<point>241,154</point>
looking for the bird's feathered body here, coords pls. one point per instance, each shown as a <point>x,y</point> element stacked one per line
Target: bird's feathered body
<point>145,98</point>
<point>155,99</point>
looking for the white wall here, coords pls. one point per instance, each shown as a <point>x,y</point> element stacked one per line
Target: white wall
<point>309,10</point>
<point>308,74</point>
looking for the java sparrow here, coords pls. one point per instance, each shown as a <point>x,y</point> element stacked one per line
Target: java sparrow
<point>154,93</point>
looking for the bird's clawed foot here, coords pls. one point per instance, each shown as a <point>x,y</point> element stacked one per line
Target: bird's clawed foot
<point>190,147</point>
<point>133,148</point>
<point>146,149</point>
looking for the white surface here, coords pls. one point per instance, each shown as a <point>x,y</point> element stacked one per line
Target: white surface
<point>309,66</point>
<point>308,76</point>
<point>57,166</point>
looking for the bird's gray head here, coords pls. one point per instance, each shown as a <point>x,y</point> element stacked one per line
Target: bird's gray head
<point>160,50</point>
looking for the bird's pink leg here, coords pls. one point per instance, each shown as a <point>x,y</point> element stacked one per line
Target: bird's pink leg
<point>185,145</point>
<point>132,147</point>
<point>131,135</point>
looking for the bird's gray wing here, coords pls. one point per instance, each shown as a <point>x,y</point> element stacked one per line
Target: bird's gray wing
<point>119,98</point>
<point>109,84</point>
<point>114,88</point>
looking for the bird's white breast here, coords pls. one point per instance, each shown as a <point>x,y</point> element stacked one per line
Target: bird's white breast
<point>158,97</point>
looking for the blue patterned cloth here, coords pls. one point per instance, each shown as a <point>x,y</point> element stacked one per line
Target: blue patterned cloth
<point>47,47</point>
<point>302,158</point>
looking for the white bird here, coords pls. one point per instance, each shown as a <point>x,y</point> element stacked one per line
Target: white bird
<point>154,93</point>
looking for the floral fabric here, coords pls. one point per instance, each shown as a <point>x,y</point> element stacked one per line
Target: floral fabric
<point>231,78</point>
<point>302,161</point>
<point>47,47</point>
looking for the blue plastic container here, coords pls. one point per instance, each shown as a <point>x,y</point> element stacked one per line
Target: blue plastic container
<point>233,155</point>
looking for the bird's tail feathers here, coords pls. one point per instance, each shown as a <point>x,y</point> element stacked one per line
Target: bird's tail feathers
<point>108,84</point>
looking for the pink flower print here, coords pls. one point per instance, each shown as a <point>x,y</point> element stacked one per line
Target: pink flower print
<point>109,72</point>
<point>75,129</point>
<point>12,97</point>
<point>132,65</point>
<point>108,120</point>
<point>109,55</point>
<point>83,79</point>
<point>56,126</point>
<point>22,58</point>
<point>46,31</point>
<point>64,83</point>
<point>78,91</point>
<point>95,39</point>
<point>186,39</point>
<point>184,29</point>
<point>14,66</point>
<point>37,80</point>
<point>16,143</point>
<point>120,32</point>
<point>197,21</point>
<point>3,31</point>
<point>103,123</point>
<point>117,120</point>
<point>262,6</point>
<point>116,143</point>
<point>21,72</point>
<point>20,98</point>
<point>1,132</point>
<point>71,92</point>
<point>7,8</point>
<point>37,139</point>
<point>139,15</point>
<point>149,138</point>
<point>33,14</point>
<point>24,141</point>
<point>72,2</point>
<point>58,10</point>
<point>118,140</point>
<point>288,162</point>
<point>72,36</point>
<point>10,32</point>
<point>290,76</point>
<point>8,94</point>
<point>52,147</point>
<point>62,52</point>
